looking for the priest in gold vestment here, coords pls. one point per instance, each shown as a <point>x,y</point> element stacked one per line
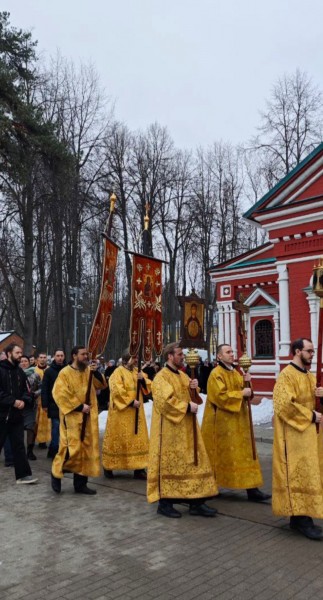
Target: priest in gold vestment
<point>69,392</point>
<point>298,449</point>
<point>123,449</point>
<point>43,424</point>
<point>173,477</point>
<point>226,428</point>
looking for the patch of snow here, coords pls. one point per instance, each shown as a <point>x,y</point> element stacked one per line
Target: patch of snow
<point>260,414</point>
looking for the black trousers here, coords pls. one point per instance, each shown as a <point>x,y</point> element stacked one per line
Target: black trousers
<point>14,431</point>
<point>79,481</point>
<point>190,501</point>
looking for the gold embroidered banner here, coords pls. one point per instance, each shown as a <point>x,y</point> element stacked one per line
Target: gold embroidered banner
<point>146,306</point>
<point>102,322</point>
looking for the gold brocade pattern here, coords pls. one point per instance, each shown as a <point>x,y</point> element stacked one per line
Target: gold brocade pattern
<point>297,450</point>
<point>69,392</point>
<point>122,448</point>
<point>171,469</point>
<point>226,432</point>
<point>43,423</point>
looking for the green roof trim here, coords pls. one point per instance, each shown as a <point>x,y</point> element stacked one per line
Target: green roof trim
<point>247,263</point>
<point>284,180</point>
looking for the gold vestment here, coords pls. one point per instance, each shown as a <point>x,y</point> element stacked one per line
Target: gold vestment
<point>69,393</point>
<point>122,448</point>
<point>171,469</point>
<point>298,449</point>
<point>43,423</point>
<point>226,431</point>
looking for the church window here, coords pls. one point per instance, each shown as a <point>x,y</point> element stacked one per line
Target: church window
<point>264,339</point>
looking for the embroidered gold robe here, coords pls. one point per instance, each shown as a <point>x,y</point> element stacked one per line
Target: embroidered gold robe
<point>69,392</point>
<point>171,469</point>
<point>43,423</point>
<point>298,449</point>
<point>226,431</point>
<point>122,448</point>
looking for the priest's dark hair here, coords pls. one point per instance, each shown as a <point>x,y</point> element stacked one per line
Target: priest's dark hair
<point>75,350</point>
<point>10,347</point>
<point>125,356</point>
<point>169,349</point>
<point>298,344</point>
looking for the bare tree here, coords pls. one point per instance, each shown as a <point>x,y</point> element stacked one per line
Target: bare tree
<point>291,125</point>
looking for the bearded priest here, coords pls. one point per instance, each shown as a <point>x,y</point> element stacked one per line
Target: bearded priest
<point>69,392</point>
<point>123,449</point>
<point>298,448</point>
<point>173,476</point>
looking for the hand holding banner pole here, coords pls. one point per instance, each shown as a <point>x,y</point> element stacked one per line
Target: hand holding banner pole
<point>99,335</point>
<point>192,359</point>
<point>318,290</point>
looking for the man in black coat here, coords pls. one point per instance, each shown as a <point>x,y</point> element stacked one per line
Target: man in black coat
<point>14,396</point>
<point>47,400</point>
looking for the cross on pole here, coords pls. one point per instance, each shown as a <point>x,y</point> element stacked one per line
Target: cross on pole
<point>242,310</point>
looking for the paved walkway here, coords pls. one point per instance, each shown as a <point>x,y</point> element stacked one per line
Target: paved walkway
<point>115,546</point>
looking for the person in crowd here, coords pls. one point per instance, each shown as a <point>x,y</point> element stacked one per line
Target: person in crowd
<point>173,476</point>
<point>298,444</point>
<point>104,396</point>
<point>48,403</point>
<point>43,425</point>
<point>123,449</point>
<point>148,368</point>
<point>77,454</point>
<point>226,428</point>
<point>29,412</point>
<point>14,395</point>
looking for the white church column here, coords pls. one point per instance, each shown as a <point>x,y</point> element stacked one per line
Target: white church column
<point>233,330</point>
<point>227,324</point>
<point>276,337</point>
<point>314,304</point>
<point>283,278</point>
<point>220,339</point>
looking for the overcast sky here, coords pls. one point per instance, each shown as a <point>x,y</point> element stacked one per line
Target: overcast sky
<point>203,68</point>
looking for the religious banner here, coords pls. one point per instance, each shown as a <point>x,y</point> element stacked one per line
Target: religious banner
<point>146,306</point>
<point>102,322</point>
<point>192,323</point>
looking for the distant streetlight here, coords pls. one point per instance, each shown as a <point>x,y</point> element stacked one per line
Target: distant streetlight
<point>86,321</point>
<point>76,297</point>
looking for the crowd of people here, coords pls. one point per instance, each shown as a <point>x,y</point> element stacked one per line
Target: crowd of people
<point>57,405</point>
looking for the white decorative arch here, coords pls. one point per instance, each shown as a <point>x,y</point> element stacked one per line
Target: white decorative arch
<point>260,293</point>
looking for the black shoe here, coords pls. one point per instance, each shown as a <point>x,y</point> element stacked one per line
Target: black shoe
<point>140,474</point>
<point>30,454</point>
<point>202,510</point>
<point>85,490</point>
<point>306,526</point>
<point>56,484</point>
<point>255,495</point>
<point>108,474</point>
<point>51,453</point>
<point>168,511</point>
<point>42,445</point>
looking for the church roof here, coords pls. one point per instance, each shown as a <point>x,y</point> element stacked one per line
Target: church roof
<point>261,204</point>
<point>246,259</point>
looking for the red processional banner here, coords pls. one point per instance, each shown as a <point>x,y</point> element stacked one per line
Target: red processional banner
<point>146,306</point>
<point>102,322</point>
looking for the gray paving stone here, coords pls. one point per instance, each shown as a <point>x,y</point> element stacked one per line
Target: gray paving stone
<point>115,546</point>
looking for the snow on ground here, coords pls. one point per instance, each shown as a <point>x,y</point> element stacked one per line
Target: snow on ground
<point>260,414</point>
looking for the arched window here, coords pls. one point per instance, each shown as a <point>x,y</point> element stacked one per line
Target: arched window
<point>264,339</point>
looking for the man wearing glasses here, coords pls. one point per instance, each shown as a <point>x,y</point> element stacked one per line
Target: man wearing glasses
<point>298,448</point>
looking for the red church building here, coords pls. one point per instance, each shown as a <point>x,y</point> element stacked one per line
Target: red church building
<point>275,279</point>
